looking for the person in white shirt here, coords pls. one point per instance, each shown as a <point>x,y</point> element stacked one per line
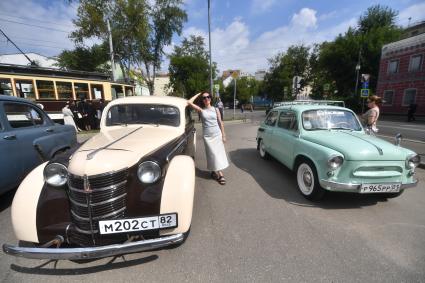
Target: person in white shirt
<point>68,116</point>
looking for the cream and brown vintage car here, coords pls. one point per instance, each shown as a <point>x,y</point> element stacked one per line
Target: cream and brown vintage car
<point>130,188</point>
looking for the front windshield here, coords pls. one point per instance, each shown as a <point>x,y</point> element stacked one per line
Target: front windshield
<point>325,119</point>
<point>157,114</point>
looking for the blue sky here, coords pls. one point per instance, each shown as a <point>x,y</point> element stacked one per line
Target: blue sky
<point>244,32</point>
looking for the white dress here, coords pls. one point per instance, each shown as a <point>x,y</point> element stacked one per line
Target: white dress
<point>213,140</point>
<point>68,117</point>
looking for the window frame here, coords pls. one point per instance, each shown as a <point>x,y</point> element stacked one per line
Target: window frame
<point>53,89</point>
<point>59,93</point>
<point>389,64</point>
<point>421,55</point>
<point>392,98</point>
<point>269,115</point>
<point>404,95</point>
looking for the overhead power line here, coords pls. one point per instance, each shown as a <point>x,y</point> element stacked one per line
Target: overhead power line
<point>37,26</point>
<point>33,19</point>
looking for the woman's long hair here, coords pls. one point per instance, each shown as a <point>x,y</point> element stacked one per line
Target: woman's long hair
<point>201,100</point>
<point>376,99</point>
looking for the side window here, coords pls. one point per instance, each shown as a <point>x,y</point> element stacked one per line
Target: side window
<point>288,121</point>
<point>21,115</point>
<point>271,118</point>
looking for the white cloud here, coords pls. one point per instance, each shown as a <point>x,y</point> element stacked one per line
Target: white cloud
<point>260,6</point>
<point>416,12</point>
<point>56,16</point>
<point>305,18</point>
<point>233,48</point>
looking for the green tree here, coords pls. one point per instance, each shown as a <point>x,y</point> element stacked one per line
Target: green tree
<point>89,59</point>
<point>189,67</point>
<point>140,30</point>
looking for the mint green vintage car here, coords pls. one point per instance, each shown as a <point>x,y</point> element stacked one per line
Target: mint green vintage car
<point>329,150</point>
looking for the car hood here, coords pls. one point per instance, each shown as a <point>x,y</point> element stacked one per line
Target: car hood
<point>357,145</point>
<point>122,147</point>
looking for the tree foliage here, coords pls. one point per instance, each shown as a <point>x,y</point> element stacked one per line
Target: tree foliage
<point>140,30</point>
<point>90,59</point>
<point>189,67</point>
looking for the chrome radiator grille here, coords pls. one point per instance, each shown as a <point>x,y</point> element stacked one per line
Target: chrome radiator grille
<point>94,198</point>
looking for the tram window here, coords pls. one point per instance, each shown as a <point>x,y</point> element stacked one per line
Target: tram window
<point>64,90</point>
<point>97,91</point>
<point>117,91</point>
<point>46,89</point>
<point>128,91</point>
<point>81,90</point>
<point>6,87</point>
<point>25,89</point>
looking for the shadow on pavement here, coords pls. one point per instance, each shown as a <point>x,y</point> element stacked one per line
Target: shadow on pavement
<point>6,199</point>
<point>203,174</point>
<point>279,182</point>
<point>83,270</point>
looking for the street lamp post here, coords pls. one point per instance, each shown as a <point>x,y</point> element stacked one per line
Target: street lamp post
<point>357,73</point>
<point>209,39</point>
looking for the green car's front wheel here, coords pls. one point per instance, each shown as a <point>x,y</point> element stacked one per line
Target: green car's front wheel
<point>262,150</point>
<point>308,182</point>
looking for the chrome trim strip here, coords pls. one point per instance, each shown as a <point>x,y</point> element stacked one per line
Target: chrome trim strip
<point>380,151</point>
<point>176,147</point>
<point>410,185</point>
<point>93,153</point>
<point>98,203</point>
<point>99,175</point>
<point>330,185</point>
<point>97,217</point>
<point>111,187</point>
<point>92,252</point>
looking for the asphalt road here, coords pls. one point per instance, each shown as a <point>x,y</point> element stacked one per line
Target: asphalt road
<point>258,228</point>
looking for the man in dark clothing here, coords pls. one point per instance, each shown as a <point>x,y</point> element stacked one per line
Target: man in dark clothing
<point>411,111</point>
<point>83,108</point>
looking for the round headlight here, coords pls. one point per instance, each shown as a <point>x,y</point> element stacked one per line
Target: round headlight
<point>148,172</point>
<point>55,174</point>
<point>334,162</point>
<point>412,161</point>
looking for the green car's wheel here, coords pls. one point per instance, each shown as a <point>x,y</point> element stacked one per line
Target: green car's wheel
<point>308,182</point>
<point>262,150</point>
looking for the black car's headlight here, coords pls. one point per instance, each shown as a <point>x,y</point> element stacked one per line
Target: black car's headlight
<point>412,161</point>
<point>149,172</point>
<point>335,161</point>
<point>55,174</point>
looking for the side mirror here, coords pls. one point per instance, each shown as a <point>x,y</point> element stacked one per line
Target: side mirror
<point>398,139</point>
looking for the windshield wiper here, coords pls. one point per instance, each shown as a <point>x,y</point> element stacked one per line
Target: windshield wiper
<point>341,128</point>
<point>318,129</point>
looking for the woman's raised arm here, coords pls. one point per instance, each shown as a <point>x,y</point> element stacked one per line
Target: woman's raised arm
<point>193,105</point>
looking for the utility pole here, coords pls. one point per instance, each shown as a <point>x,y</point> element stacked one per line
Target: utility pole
<point>357,73</point>
<point>28,58</point>
<point>209,39</point>
<point>111,49</point>
<point>234,100</point>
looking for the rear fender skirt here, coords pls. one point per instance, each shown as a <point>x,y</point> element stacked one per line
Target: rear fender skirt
<point>178,192</point>
<point>24,206</point>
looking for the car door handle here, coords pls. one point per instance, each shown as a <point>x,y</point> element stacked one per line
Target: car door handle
<point>50,130</point>
<point>10,137</point>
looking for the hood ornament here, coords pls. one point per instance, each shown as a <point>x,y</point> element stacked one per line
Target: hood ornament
<point>87,188</point>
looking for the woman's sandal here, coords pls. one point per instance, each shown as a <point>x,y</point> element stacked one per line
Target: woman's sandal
<point>221,180</point>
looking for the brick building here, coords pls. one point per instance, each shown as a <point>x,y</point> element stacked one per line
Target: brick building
<point>401,78</point>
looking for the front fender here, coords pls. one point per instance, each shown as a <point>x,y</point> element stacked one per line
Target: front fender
<point>24,205</point>
<point>51,144</point>
<point>178,193</point>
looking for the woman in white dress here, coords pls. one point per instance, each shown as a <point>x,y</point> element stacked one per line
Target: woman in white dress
<point>214,136</point>
<point>68,116</point>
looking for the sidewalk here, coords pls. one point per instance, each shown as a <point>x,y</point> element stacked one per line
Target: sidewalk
<point>401,118</point>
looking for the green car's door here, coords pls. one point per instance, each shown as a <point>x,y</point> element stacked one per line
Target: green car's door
<point>267,129</point>
<point>285,136</point>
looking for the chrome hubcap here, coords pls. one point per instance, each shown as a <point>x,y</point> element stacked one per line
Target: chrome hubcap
<point>305,179</point>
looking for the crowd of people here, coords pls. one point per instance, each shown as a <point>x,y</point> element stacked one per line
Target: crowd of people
<point>84,115</point>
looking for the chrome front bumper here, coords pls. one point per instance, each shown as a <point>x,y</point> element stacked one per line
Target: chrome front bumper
<point>92,252</point>
<point>354,188</point>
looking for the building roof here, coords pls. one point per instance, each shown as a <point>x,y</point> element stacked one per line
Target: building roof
<point>404,45</point>
<point>20,59</point>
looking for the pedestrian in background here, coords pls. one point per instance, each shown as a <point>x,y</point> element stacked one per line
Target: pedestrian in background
<point>68,116</point>
<point>83,109</point>
<point>213,134</point>
<point>370,118</point>
<point>99,110</point>
<point>220,106</point>
<point>91,115</point>
<point>411,111</point>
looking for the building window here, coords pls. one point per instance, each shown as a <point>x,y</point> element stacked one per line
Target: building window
<point>117,91</point>
<point>81,91</point>
<point>6,87</point>
<point>409,97</point>
<point>46,89</point>
<point>64,90</point>
<point>97,91</point>
<point>393,67</point>
<point>388,97</point>
<point>25,89</point>
<point>415,63</point>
